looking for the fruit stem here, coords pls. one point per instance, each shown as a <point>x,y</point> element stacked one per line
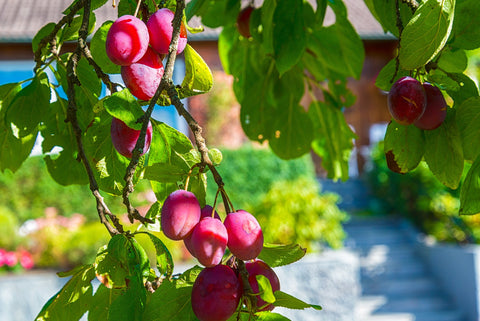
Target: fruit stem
<point>137,8</point>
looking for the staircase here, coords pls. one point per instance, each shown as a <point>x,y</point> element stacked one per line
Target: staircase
<point>396,284</point>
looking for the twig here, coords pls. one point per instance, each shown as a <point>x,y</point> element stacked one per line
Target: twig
<point>49,39</point>
<point>103,76</point>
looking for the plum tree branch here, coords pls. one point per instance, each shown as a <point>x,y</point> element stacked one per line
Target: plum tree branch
<point>72,81</point>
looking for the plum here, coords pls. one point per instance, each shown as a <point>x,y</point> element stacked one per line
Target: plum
<point>127,40</point>
<point>245,236</point>
<point>436,110</point>
<point>143,77</point>
<point>160,29</point>
<point>124,138</point>
<point>407,100</point>
<point>243,21</point>
<point>216,293</point>
<point>258,267</point>
<point>179,215</point>
<point>209,241</point>
<point>205,212</point>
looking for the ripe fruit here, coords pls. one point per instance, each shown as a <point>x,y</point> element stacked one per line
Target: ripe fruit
<point>124,138</point>
<point>243,21</point>
<point>180,213</point>
<point>205,212</point>
<point>258,267</point>
<point>209,241</point>
<point>407,100</point>
<point>245,237</point>
<point>160,29</point>
<point>436,109</point>
<point>216,293</point>
<point>143,77</point>
<point>127,40</point>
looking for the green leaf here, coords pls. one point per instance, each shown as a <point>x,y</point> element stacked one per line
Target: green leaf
<point>443,80</point>
<point>88,78</point>
<point>404,147</point>
<point>466,26</point>
<point>154,215</point>
<point>338,47</point>
<point>265,289</point>
<point>386,79</point>
<point>73,300</point>
<point>110,270</point>
<point>444,153</point>
<point>166,173</point>
<point>164,258</point>
<point>218,13</point>
<point>215,156</point>
<point>171,301</point>
<point>426,33</point>
<point>30,106</point>
<point>70,31</point>
<point>14,149</point>
<point>385,12</point>
<point>293,132</point>
<point>42,33</point>
<point>333,139</point>
<point>58,133</point>
<point>470,192</point>
<point>124,106</point>
<point>453,61</point>
<point>287,301</point>
<point>103,299</point>
<point>99,53</point>
<point>289,37</point>
<point>277,255</point>
<point>129,305</point>
<point>270,316</point>
<point>198,76</point>
<point>468,122</point>
<point>467,89</point>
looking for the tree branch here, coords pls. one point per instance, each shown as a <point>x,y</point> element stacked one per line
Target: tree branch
<point>72,80</point>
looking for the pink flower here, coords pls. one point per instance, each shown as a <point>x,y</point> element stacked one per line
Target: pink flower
<point>10,259</point>
<point>26,260</point>
<point>2,257</point>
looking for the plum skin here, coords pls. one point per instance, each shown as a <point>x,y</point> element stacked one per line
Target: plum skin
<point>436,110</point>
<point>243,21</point>
<point>258,267</point>
<point>406,100</point>
<point>143,77</point>
<point>160,30</point>
<point>127,40</point>
<point>125,138</point>
<point>205,212</point>
<point>179,215</point>
<point>209,241</point>
<point>216,293</point>
<point>245,236</point>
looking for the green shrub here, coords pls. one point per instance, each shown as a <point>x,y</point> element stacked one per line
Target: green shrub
<point>420,197</point>
<point>249,173</point>
<point>294,211</point>
<point>31,189</point>
<point>8,229</point>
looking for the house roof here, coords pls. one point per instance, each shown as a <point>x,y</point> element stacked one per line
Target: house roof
<point>21,19</point>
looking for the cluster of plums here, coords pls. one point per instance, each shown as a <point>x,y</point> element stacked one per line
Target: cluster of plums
<point>411,102</point>
<point>218,289</point>
<point>139,49</point>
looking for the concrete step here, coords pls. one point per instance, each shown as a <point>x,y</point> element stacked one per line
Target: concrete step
<point>402,287</point>
<point>451,315</point>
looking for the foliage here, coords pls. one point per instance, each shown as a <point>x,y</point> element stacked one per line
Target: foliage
<point>250,172</point>
<point>31,189</point>
<point>294,211</point>
<point>420,197</point>
<point>8,228</point>
<point>291,52</point>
